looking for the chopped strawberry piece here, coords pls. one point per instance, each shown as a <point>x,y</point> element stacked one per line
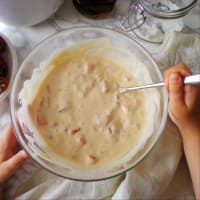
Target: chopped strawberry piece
<point>41,121</point>
<point>2,44</point>
<point>65,130</point>
<point>3,84</point>
<point>75,131</point>
<point>55,124</point>
<point>92,159</point>
<point>82,140</point>
<point>64,109</point>
<point>110,130</point>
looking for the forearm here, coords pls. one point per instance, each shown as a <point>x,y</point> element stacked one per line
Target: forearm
<point>191,145</point>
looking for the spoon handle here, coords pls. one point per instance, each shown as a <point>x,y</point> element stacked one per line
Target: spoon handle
<point>192,80</point>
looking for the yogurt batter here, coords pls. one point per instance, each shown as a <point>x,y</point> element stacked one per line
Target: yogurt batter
<point>80,114</point>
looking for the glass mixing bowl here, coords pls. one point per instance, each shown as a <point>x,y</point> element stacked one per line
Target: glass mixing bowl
<point>125,49</point>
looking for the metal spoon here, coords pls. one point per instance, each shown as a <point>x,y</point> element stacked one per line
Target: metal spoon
<point>191,80</point>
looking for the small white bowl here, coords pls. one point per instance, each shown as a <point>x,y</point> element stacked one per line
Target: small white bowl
<point>11,60</point>
<point>27,13</point>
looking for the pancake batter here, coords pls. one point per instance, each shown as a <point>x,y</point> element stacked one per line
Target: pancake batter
<point>80,114</point>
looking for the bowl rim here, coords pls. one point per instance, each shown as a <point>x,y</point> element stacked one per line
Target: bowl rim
<point>14,66</point>
<point>13,115</point>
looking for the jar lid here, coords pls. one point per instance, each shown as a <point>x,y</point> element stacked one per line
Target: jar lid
<point>169,8</point>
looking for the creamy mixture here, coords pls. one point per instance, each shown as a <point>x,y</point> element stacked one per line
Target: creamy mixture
<point>80,114</point>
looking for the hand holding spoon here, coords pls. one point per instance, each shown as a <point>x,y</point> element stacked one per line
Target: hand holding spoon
<point>189,80</point>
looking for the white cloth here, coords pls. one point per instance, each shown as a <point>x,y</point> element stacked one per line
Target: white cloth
<point>151,179</point>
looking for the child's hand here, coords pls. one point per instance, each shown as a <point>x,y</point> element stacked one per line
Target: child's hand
<point>10,157</point>
<point>184,100</point>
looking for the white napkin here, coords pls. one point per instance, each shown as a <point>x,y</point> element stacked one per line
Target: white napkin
<point>153,175</point>
<point>179,47</point>
<point>149,180</point>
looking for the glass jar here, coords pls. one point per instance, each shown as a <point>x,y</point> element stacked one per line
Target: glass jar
<point>152,20</point>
